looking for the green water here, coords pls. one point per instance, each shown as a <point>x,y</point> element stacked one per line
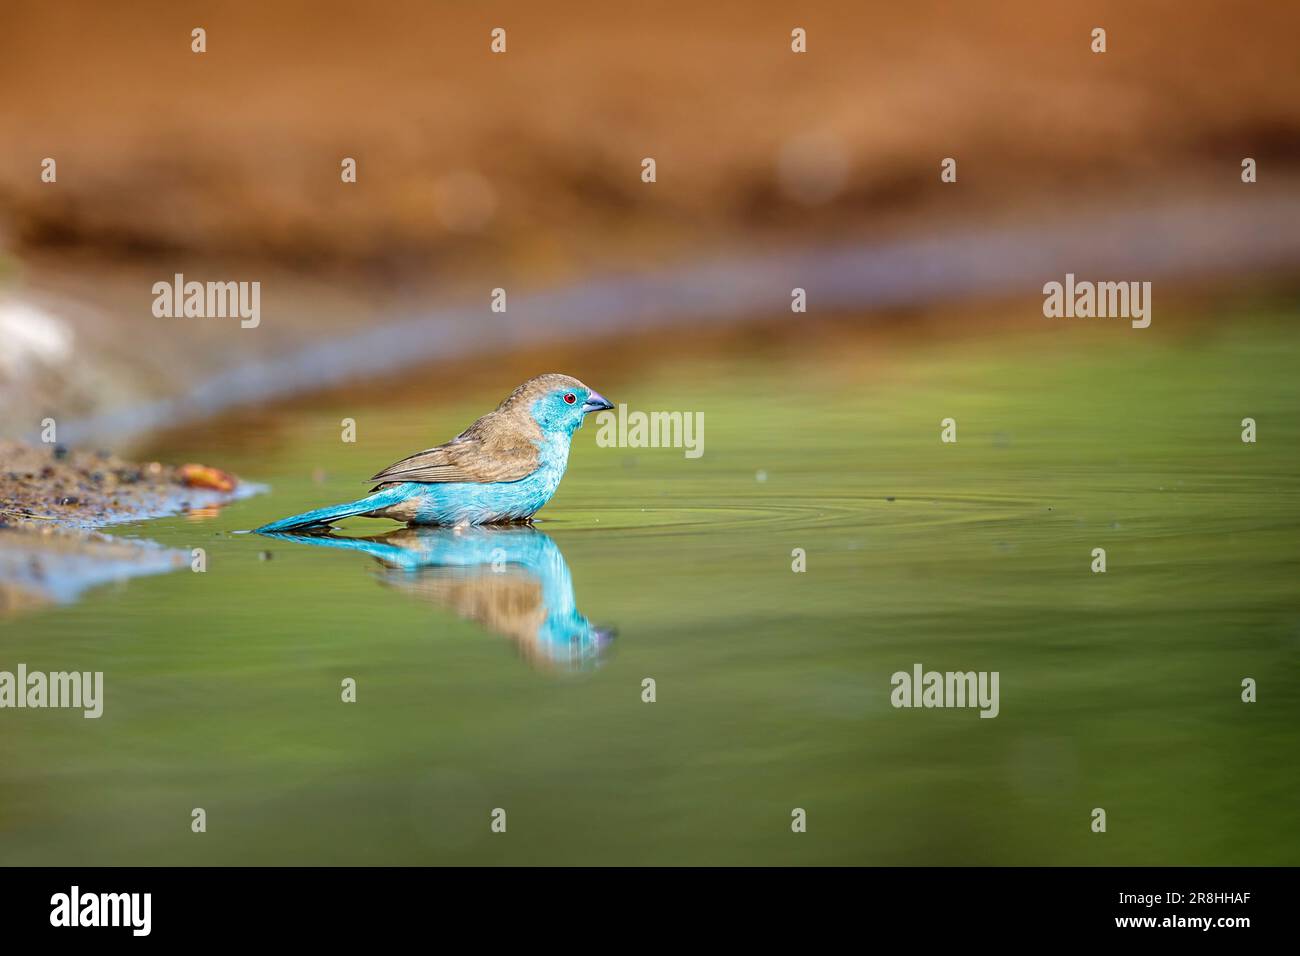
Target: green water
<point>1119,690</point>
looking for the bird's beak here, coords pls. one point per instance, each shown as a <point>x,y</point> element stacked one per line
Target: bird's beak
<point>596,402</point>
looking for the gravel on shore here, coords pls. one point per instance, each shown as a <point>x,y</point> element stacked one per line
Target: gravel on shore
<point>52,499</point>
<point>79,489</point>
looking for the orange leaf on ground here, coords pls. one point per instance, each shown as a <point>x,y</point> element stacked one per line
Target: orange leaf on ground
<point>201,476</point>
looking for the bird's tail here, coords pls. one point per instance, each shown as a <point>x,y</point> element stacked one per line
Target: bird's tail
<point>323,516</point>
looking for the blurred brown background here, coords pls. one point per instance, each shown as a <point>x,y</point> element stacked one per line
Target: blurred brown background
<point>475,169</point>
<point>535,154</point>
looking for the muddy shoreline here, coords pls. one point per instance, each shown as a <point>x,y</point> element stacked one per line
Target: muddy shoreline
<point>53,501</point>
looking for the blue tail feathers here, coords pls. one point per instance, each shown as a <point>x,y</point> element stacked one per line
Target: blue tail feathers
<point>323,516</point>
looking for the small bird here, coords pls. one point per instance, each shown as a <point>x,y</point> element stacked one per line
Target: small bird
<point>503,468</point>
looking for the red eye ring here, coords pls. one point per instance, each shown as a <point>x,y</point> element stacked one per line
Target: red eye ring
<point>570,398</point>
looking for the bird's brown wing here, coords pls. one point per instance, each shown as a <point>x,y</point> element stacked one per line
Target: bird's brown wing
<point>483,452</point>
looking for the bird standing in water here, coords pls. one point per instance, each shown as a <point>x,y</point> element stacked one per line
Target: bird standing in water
<point>502,468</point>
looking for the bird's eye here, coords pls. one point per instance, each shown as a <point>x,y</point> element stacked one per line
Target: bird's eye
<point>570,398</point>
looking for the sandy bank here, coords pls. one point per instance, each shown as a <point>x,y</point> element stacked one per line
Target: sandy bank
<point>52,499</point>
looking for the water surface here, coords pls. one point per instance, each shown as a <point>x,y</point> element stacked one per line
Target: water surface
<point>505,670</point>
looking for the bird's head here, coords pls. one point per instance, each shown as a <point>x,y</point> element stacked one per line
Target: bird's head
<point>558,403</point>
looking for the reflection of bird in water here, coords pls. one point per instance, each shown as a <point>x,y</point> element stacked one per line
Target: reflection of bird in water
<point>512,581</point>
